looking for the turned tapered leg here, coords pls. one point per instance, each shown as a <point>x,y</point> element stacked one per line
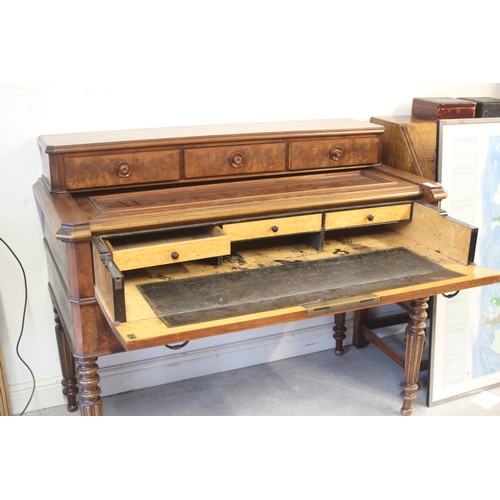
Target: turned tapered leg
<point>88,380</point>
<point>415,338</point>
<point>358,339</point>
<point>70,388</point>
<point>339,330</point>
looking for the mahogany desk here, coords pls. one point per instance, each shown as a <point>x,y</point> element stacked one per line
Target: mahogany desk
<point>144,230</point>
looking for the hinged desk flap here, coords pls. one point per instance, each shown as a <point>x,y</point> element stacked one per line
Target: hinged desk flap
<point>280,281</point>
<point>152,331</point>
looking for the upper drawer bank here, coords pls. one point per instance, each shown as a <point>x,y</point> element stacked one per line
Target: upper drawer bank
<point>104,160</point>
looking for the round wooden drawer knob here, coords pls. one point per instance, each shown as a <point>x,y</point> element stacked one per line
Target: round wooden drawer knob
<point>237,160</point>
<point>371,217</point>
<point>336,153</point>
<point>275,229</point>
<point>123,169</point>
<point>174,255</point>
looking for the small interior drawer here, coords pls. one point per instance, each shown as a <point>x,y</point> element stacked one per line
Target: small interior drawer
<point>368,216</point>
<point>176,246</point>
<point>273,227</point>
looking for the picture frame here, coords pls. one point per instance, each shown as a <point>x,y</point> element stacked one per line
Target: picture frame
<point>465,338</point>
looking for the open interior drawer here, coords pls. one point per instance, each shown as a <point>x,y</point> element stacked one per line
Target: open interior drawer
<point>274,281</point>
<point>114,255</point>
<point>154,249</point>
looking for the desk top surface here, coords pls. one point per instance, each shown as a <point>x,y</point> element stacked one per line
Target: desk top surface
<point>75,142</point>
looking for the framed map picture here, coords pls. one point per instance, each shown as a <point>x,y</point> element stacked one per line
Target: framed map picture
<point>465,345</point>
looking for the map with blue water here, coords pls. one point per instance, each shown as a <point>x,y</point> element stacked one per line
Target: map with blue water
<point>466,330</point>
<point>486,357</point>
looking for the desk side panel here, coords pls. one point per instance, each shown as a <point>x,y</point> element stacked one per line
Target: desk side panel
<point>70,270</point>
<point>433,228</point>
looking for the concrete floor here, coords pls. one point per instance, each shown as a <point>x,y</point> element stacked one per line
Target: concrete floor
<point>363,382</point>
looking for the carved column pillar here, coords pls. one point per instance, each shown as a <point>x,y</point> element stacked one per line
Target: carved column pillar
<point>90,392</point>
<point>415,338</point>
<point>339,330</point>
<point>70,388</point>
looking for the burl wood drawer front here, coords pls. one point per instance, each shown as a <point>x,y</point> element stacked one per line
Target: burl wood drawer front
<point>273,227</point>
<point>234,160</point>
<point>177,246</point>
<point>327,153</point>
<point>83,172</point>
<point>367,216</point>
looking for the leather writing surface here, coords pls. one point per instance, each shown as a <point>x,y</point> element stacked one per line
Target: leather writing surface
<point>206,298</point>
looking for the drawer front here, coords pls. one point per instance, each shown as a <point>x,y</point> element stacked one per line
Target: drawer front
<point>120,169</point>
<point>335,152</point>
<point>367,216</point>
<point>273,227</point>
<point>180,246</point>
<point>234,160</point>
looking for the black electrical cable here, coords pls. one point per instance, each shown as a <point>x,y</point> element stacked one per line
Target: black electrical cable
<point>22,324</point>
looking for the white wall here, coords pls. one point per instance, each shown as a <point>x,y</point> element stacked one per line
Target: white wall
<point>195,63</point>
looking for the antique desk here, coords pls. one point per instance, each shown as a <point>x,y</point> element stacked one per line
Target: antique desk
<point>165,236</point>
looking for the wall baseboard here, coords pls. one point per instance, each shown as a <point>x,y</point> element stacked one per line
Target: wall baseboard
<point>179,365</point>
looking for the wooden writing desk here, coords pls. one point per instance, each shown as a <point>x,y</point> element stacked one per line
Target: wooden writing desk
<point>165,236</point>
